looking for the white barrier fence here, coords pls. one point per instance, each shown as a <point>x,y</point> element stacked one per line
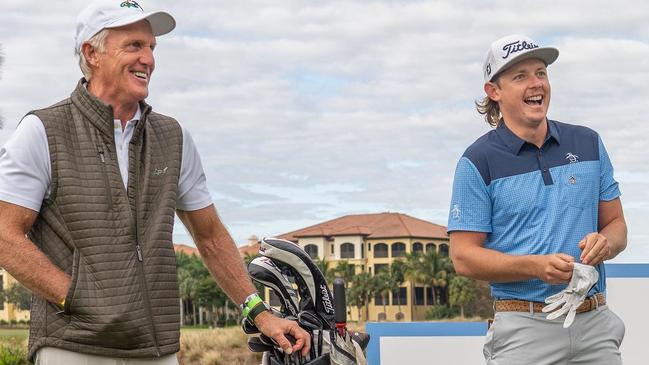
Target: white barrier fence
<point>461,342</point>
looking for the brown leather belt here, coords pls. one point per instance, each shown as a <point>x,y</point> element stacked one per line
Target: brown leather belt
<point>509,305</point>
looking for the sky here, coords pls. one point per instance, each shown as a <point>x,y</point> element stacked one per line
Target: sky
<point>304,111</point>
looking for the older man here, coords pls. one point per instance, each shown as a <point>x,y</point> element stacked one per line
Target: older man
<point>530,199</point>
<point>88,191</point>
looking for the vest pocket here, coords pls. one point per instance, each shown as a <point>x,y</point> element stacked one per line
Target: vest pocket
<point>104,169</point>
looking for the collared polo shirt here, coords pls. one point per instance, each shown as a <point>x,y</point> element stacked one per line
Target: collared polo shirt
<point>532,200</point>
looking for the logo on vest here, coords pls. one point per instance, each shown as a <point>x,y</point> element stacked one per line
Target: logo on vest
<point>158,172</point>
<point>514,47</point>
<point>572,180</point>
<point>130,4</point>
<point>572,158</point>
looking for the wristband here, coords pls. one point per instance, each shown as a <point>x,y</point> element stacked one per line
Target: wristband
<point>257,310</point>
<point>250,304</point>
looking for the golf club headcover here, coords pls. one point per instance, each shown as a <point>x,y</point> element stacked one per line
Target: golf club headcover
<point>264,271</point>
<point>569,299</point>
<point>312,285</point>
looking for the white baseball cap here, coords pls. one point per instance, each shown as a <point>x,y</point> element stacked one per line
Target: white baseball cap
<point>511,49</point>
<point>117,13</point>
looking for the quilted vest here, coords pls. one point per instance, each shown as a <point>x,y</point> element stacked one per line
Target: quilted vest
<point>115,243</point>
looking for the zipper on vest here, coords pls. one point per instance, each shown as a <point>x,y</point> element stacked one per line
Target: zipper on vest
<point>109,193</point>
<point>141,266</point>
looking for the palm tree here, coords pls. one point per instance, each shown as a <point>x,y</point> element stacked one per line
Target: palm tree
<point>383,285</point>
<point>462,292</point>
<point>325,268</point>
<point>360,291</point>
<point>397,277</point>
<point>430,269</point>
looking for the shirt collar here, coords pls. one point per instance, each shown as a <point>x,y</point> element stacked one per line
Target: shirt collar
<point>515,143</point>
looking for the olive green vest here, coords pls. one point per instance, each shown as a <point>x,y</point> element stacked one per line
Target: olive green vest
<point>116,244</point>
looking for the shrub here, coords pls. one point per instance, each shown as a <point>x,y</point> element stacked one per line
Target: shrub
<point>442,312</point>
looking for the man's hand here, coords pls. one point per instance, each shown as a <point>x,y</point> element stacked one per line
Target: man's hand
<point>595,248</point>
<point>555,269</point>
<point>276,328</point>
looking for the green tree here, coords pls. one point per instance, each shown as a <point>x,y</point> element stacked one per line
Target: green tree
<point>461,292</point>
<point>325,268</point>
<point>360,291</point>
<point>430,269</point>
<point>18,295</point>
<point>397,277</point>
<point>383,286</point>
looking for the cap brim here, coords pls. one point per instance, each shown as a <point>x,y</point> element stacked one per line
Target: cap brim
<point>545,54</point>
<point>160,21</point>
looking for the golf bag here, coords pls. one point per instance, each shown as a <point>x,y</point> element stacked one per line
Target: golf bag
<point>282,263</point>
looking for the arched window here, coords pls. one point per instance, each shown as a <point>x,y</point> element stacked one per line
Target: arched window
<point>443,250</point>
<point>311,250</point>
<point>431,246</point>
<point>417,247</point>
<point>380,250</point>
<point>398,249</point>
<point>347,250</point>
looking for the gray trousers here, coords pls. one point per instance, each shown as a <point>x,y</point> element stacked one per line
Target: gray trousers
<point>56,356</point>
<point>517,338</point>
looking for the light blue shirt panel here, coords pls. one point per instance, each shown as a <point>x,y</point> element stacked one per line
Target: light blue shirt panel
<point>471,201</point>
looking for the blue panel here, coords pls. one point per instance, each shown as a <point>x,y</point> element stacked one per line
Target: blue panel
<point>400,329</point>
<point>627,270</point>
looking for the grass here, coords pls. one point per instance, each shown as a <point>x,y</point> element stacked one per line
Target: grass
<point>19,334</point>
<point>201,346</point>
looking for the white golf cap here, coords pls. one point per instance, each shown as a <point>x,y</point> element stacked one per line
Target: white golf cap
<point>102,14</point>
<point>512,49</point>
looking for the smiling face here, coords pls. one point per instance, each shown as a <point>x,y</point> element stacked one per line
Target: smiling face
<point>523,93</point>
<point>122,72</point>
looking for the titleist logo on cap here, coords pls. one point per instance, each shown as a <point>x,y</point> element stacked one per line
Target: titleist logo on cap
<point>517,46</point>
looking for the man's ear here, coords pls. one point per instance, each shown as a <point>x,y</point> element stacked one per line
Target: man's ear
<point>91,54</point>
<point>492,90</point>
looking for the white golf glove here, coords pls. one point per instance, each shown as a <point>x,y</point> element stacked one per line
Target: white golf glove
<point>583,278</point>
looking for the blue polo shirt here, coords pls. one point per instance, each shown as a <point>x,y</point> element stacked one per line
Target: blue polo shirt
<point>532,200</point>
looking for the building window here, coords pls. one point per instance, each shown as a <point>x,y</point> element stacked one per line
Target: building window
<point>312,251</point>
<point>379,268</point>
<point>429,296</point>
<point>378,299</point>
<point>398,249</point>
<point>347,251</point>
<point>380,250</point>
<point>431,246</point>
<point>362,250</point>
<point>400,296</point>
<point>2,304</point>
<point>443,250</point>
<point>369,246</point>
<point>419,295</point>
<point>417,247</point>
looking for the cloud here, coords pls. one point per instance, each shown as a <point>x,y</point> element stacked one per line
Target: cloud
<point>304,111</point>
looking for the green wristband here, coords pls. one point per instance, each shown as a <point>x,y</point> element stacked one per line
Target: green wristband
<point>250,305</point>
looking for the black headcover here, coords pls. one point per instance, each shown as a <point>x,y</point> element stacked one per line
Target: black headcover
<point>312,285</point>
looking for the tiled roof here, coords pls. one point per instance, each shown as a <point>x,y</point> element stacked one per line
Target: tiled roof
<point>187,250</point>
<point>252,250</point>
<point>380,225</point>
